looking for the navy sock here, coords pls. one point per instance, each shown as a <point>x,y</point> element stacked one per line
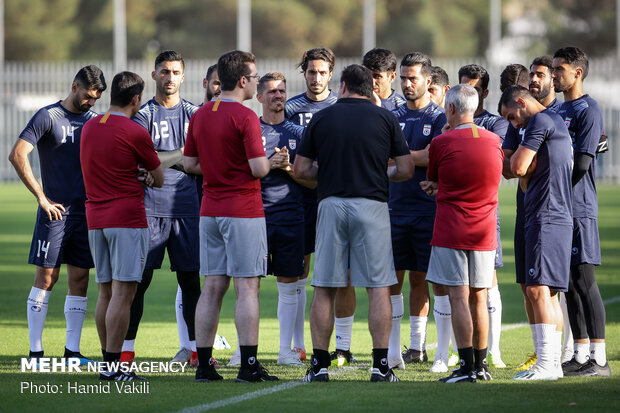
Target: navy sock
<point>480,358</point>
<point>204,355</point>
<point>467,358</point>
<point>248,357</point>
<point>322,359</point>
<point>379,359</point>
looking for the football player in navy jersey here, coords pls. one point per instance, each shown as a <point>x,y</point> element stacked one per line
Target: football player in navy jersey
<point>584,119</point>
<point>173,210</point>
<point>317,67</point>
<point>440,84</point>
<point>284,209</point>
<point>477,77</point>
<point>538,83</point>
<point>412,212</point>
<point>382,63</point>
<point>60,233</point>
<point>543,163</point>
<point>211,84</point>
<point>541,82</point>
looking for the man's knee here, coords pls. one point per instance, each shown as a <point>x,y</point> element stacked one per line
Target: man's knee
<point>46,278</point>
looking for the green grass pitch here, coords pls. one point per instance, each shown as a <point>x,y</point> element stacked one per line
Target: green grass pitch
<point>348,390</point>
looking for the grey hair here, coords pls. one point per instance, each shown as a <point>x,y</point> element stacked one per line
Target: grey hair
<point>464,98</point>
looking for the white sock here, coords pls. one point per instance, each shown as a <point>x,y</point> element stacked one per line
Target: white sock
<point>557,359</point>
<point>568,343</point>
<point>545,352</point>
<point>128,345</point>
<point>181,326</point>
<point>534,337</point>
<point>494,303</point>
<point>36,310</point>
<point>287,313</point>
<point>398,309</point>
<point>582,352</point>
<point>443,320</point>
<point>300,319</point>
<point>598,353</point>
<point>75,313</point>
<point>192,345</point>
<point>344,329</point>
<point>418,332</point>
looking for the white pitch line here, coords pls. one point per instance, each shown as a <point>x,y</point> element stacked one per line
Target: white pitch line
<point>293,384</point>
<point>247,396</point>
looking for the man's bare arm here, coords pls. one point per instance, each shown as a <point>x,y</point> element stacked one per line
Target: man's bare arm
<point>21,163</point>
<point>259,166</point>
<point>304,168</point>
<point>191,165</point>
<point>402,170</point>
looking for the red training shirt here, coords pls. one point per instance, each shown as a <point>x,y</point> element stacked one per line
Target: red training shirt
<point>112,147</point>
<point>467,164</point>
<point>223,135</point>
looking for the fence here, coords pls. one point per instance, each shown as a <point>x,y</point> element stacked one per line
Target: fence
<point>26,87</point>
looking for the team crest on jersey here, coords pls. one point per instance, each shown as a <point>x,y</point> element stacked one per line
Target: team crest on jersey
<point>567,121</point>
<point>292,143</point>
<point>426,130</point>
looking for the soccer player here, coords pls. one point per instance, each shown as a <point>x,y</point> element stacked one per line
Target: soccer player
<point>113,148</point>
<point>539,82</point>
<point>440,84</point>
<point>382,63</point>
<point>412,211</point>
<point>317,67</point>
<point>543,163</point>
<point>585,306</point>
<point>513,74</point>
<point>224,145</point>
<point>172,210</point>
<point>464,236</point>
<point>477,77</point>
<point>353,140</point>
<point>60,233</point>
<point>284,209</point>
<point>211,83</point>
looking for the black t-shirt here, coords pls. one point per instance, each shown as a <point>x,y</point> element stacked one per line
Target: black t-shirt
<point>352,141</point>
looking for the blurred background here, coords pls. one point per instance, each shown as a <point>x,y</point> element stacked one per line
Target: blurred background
<point>43,43</point>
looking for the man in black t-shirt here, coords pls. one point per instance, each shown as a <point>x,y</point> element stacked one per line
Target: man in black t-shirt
<point>353,140</point>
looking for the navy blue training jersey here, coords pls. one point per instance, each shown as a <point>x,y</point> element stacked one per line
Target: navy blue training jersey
<point>493,123</point>
<point>419,127</point>
<point>299,109</point>
<point>515,136</point>
<point>282,196</point>
<point>393,102</point>
<point>548,198</point>
<point>585,124</point>
<point>178,197</point>
<point>56,133</point>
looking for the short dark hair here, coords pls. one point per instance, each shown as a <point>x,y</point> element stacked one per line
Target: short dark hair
<point>439,76</point>
<point>90,77</point>
<point>169,56</point>
<point>511,94</point>
<point>318,53</point>
<point>574,57</point>
<point>125,86</point>
<point>232,66</point>
<point>380,60</point>
<point>543,61</point>
<point>358,80</point>
<point>474,71</point>
<point>514,74</point>
<point>268,77</point>
<point>417,58</point>
<point>210,70</point>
